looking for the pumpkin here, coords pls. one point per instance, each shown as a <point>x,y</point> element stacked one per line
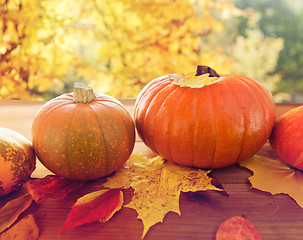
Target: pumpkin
<point>17,160</point>
<point>83,135</point>
<point>204,120</point>
<point>286,138</point>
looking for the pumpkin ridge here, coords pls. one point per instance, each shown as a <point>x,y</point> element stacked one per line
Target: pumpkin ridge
<point>154,108</point>
<point>42,119</point>
<point>129,131</point>
<point>240,79</point>
<point>50,109</point>
<point>121,118</point>
<point>194,106</point>
<point>263,107</point>
<point>142,95</point>
<point>278,144</point>
<point>100,128</point>
<point>103,98</point>
<point>106,100</point>
<point>64,97</point>
<point>172,120</point>
<point>206,124</point>
<point>158,82</point>
<point>256,98</point>
<point>155,146</point>
<point>159,110</point>
<point>68,163</point>
<point>229,121</point>
<point>267,120</point>
<point>250,87</point>
<point>244,122</point>
<point>215,126</point>
<point>163,107</point>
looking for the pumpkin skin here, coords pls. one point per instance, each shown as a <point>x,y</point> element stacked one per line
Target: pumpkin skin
<point>213,126</point>
<point>17,160</point>
<point>83,141</point>
<point>286,138</point>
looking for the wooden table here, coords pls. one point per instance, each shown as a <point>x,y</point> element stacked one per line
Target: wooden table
<point>276,217</point>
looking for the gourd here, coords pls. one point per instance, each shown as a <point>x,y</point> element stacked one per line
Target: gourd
<point>17,160</point>
<point>286,137</point>
<point>204,120</point>
<point>83,135</point>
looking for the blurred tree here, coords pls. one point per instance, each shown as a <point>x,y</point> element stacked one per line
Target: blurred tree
<point>142,40</point>
<point>256,56</point>
<point>251,54</point>
<point>27,62</point>
<point>116,46</point>
<point>282,19</point>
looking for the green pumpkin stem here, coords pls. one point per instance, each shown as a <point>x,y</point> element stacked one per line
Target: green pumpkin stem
<point>205,69</point>
<point>83,93</point>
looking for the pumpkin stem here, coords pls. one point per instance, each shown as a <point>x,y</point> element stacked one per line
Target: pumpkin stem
<point>205,69</point>
<point>83,93</point>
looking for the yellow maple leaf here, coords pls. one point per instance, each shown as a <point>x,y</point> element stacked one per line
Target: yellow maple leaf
<point>270,174</point>
<point>190,80</point>
<point>157,184</point>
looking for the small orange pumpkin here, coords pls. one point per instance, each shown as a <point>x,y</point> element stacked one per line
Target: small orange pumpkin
<point>83,135</point>
<point>204,120</point>
<point>287,136</point>
<point>17,160</point>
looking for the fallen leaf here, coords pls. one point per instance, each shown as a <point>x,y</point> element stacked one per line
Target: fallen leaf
<point>238,228</point>
<point>157,186</point>
<point>11,210</point>
<point>96,206</point>
<point>25,229</point>
<point>192,80</point>
<point>51,186</point>
<point>274,176</point>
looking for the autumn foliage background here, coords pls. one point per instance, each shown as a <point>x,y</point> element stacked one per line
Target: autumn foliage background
<point>117,46</point>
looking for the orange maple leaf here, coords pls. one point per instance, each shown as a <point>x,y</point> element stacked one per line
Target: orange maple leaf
<point>272,175</point>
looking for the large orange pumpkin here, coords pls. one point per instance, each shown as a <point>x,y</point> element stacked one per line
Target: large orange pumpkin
<point>287,136</point>
<point>204,120</point>
<point>17,160</point>
<point>83,135</point>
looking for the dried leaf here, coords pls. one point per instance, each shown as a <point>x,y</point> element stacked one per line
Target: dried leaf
<point>51,187</point>
<point>99,205</point>
<point>25,229</point>
<point>238,228</point>
<point>157,184</point>
<point>193,81</point>
<point>274,176</point>
<point>11,210</point>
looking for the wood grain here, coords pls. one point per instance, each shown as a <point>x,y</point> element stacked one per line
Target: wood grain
<point>276,217</point>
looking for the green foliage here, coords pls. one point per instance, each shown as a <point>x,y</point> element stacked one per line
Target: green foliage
<point>256,56</point>
<point>282,19</point>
